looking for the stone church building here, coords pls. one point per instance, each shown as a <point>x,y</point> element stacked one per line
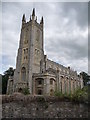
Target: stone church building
<point>34,70</point>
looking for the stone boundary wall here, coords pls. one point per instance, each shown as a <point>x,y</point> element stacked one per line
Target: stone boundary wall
<point>21,106</point>
<point>29,98</point>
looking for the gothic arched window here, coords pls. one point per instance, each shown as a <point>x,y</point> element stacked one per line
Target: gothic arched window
<point>23,73</point>
<point>52,80</point>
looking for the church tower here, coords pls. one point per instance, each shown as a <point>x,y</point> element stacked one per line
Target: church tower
<point>30,52</point>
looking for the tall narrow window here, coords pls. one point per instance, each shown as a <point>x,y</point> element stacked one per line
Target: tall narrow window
<point>26,50</point>
<point>23,74</point>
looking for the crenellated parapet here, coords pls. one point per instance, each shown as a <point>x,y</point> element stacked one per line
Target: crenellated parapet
<point>32,21</point>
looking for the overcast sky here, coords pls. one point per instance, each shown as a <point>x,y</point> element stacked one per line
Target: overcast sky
<point>65,32</point>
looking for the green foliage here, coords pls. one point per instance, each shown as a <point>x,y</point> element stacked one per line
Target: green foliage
<point>25,91</point>
<point>63,96</point>
<point>4,84</point>
<point>80,95</point>
<point>58,94</point>
<point>7,73</point>
<point>46,105</point>
<point>41,99</point>
<point>66,95</point>
<point>86,77</point>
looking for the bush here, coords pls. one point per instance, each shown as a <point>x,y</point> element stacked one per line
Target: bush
<point>41,99</point>
<point>58,94</point>
<point>25,91</point>
<point>80,95</point>
<point>66,95</point>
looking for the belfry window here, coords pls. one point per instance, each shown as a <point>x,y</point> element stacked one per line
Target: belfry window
<point>24,51</point>
<point>26,57</point>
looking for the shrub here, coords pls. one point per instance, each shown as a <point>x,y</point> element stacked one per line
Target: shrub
<point>58,94</point>
<point>66,95</point>
<point>40,99</point>
<point>80,95</point>
<point>46,105</point>
<point>25,91</point>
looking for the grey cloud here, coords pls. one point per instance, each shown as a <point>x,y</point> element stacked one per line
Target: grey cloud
<point>59,23</point>
<point>80,9</point>
<point>69,49</point>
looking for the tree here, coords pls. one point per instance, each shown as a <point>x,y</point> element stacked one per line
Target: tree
<point>86,77</point>
<point>7,73</point>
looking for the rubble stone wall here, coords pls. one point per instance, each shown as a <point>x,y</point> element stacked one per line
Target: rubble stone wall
<point>21,106</point>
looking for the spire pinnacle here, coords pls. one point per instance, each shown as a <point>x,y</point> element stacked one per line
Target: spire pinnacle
<point>41,20</point>
<point>23,18</point>
<point>33,12</point>
<point>30,17</point>
<point>36,18</point>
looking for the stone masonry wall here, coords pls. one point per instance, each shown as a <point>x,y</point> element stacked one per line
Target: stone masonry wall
<point>20,106</point>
